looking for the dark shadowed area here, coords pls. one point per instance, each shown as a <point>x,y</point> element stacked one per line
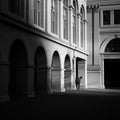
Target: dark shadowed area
<point>69,105</point>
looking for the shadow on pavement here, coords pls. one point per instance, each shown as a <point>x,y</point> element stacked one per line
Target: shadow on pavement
<point>69,105</point>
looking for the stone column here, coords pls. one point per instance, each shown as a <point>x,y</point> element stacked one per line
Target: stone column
<point>61,18</point>
<point>49,79</point>
<point>62,80</point>
<point>31,78</point>
<point>112,17</point>
<point>85,34</point>
<point>4,80</point>
<point>85,73</point>
<point>102,71</point>
<point>30,15</point>
<point>78,30</point>
<point>70,24</point>
<point>48,16</point>
<point>73,73</point>
<point>96,35</point>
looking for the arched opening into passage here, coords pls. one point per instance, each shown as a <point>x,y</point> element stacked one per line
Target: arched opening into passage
<point>80,70</point>
<point>18,70</point>
<point>40,83</point>
<point>67,73</point>
<point>112,64</point>
<point>56,72</point>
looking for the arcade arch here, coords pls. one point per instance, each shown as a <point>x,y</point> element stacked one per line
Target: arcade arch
<point>110,63</point>
<point>56,72</point>
<point>40,82</point>
<point>67,73</point>
<point>18,70</point>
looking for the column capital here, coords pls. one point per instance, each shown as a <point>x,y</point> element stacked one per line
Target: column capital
<point>112,12</point>
<point>48,67</point>
<point>61,0</point>
<point>71,7</point>
<point>85,21</point>
<point>79,15</point>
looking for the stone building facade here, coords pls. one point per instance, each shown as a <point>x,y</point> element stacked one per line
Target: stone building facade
<point>103,40</point>
<point>43,46</point>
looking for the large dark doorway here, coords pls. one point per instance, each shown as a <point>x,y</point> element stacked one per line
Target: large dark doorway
<point>111,73</point>
<point>80,70</point>
<point>18,70</point>
<point>40,85</point>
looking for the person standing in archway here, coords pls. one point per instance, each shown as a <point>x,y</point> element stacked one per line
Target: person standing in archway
<point>77,82</point>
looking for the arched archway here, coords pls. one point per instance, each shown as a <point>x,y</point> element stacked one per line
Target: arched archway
<point>67,73</point>
<point>18,70</point>
<point>40,84</point>
<point>56,72</point>
<point>113,45</point>
<point>112,64</point>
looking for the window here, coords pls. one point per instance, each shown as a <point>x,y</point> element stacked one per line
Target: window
<point>54,14</point>
<point>65,19</point>
<point>16,7</point>
<point>111,17</point>
<point>116,16</point>
<point>74,21</point>
<point>106,17</point>
<point>82,26</point>
<point>113,45</point>
<point>39,12</point>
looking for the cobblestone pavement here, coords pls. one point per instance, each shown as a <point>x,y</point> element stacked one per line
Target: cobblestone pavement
<point>69,105</point>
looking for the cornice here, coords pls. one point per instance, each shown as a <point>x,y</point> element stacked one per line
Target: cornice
<point>102,2</point>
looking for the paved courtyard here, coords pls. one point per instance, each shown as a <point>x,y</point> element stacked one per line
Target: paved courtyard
<point>70,105</point>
